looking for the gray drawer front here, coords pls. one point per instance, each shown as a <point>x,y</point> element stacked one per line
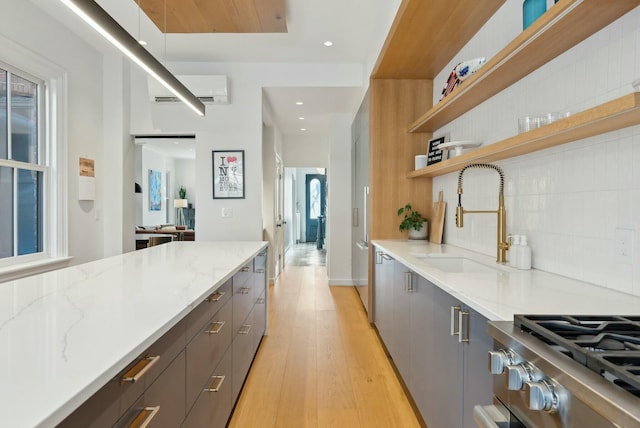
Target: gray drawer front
<point>205,310</point>
<point>112,400</point>
<point>212,409</point>
<point>206,350</point>
<point>243,300</point>
<point>259,320</point>
<point>243,351</point>
<point>167,392</point>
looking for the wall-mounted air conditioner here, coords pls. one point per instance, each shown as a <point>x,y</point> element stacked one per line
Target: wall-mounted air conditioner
<point>209,89</point>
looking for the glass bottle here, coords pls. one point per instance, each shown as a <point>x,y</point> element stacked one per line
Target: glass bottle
<point>531,10</point>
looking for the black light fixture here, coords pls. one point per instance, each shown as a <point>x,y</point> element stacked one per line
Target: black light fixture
<point>138,188</point>
<point>104,24</point>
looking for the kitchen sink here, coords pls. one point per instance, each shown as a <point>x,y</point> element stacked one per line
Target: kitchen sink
<point>455,263</point>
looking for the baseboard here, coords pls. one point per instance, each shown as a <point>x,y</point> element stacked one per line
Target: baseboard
<point>341,282</point>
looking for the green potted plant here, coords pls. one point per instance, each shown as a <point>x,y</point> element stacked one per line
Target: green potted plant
<point>413,222</point>
<point>182,192</point>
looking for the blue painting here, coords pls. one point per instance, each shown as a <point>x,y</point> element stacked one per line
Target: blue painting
<point>155,183</point>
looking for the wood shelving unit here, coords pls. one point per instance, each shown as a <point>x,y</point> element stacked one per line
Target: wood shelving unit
<point>619,113</point>
<point>563,26</point>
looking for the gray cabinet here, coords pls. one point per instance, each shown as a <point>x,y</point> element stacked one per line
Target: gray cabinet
<point>438,344</point>
<point>193,374</point>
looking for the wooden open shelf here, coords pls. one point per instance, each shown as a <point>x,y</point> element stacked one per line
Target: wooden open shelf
<point>425,36</point>
<point>619,113</point>
<point>563,26</point>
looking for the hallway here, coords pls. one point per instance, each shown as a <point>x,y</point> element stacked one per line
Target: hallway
<point>306,254</point>
<point>322,364</point>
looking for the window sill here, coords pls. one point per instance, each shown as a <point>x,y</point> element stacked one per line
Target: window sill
<point>9,273</point>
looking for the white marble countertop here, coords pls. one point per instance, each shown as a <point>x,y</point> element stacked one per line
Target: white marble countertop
<point>500,294</point>
<point>65,333</point>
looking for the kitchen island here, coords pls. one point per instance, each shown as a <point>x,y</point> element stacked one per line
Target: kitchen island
<point>66,333</point>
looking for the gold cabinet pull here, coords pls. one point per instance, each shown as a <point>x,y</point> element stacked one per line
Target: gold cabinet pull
<point>245,290</point>
<point>455,325</point>
<point>259,270</point>
<point>245,329</point>
<point>144,417</point>
<point>216,384</point>
<point>260,301</point>
<point>215,327</point>
<point>215,297</point>
<point>139,369</point>
<point>463,323</point>
<point>245,269</point>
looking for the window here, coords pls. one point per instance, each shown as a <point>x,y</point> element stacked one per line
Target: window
<point>314,199</point>
<point>22,169</point>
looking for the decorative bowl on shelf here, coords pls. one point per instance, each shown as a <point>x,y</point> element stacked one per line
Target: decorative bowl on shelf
<point>456,148</point>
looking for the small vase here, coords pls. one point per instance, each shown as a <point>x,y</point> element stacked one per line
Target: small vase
<point>419,234</point>
<point>532,10</point>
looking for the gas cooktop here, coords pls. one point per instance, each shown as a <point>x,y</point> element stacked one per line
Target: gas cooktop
<point>608,345</point>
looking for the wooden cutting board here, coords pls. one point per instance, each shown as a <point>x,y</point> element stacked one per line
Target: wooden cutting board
<point>437,222</point>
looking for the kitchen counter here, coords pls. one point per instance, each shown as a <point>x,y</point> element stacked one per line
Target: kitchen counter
<point>507,291</point>
<point>65,333</point>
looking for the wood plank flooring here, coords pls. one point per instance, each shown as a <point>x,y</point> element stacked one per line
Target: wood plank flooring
<point>322,364</point>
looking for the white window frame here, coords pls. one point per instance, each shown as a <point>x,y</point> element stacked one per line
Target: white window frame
<point>51,157</point>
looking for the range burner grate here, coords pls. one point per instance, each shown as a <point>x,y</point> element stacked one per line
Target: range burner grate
<point>609,345</point>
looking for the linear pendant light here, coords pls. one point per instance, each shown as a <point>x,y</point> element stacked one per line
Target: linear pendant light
<point>104,24</point>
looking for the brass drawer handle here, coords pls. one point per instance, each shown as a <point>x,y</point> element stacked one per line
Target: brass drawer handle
<point>215,297</point>
<point>245,290</point>
<point>216,384</point>
<point>245,269</point>
<point>144,417</point>
<point>245,329</point>
<point>259,270</point>
<point>139,369</point>
<point>260,301</point>
<point>215,327</point>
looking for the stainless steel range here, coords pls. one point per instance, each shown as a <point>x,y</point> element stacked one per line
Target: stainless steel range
<point>564,371</point>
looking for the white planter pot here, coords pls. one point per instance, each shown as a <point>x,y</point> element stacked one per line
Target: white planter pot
<point>420,234</point>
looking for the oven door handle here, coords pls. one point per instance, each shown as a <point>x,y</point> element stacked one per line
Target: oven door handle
<point>490,416</point>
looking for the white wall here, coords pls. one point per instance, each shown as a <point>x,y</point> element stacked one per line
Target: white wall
<point>339,202</point>
<point>569,199</point>
<point>155,161</point>
<point>43,37</point>
<point>184,175</point>
<point>306,151</point>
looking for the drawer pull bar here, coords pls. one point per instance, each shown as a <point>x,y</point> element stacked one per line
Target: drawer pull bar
<point>215,297</point>
<point>245,269</point>
<point>245,329</point>
<point>245,290</point>
<point>139,369</point>
<point>260,301</point>
<point>455,326</point>
<point>216,384</point>
<point>215,327</point>
<point>144,417</point>
<point>259,270</point>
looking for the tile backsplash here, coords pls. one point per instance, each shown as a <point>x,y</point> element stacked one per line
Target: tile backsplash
<point>569,200</point>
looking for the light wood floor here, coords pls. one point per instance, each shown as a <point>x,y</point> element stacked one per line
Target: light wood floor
<point>322,364</point>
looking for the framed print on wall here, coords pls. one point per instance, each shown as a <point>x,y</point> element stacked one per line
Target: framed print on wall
<point>155,194</point>
<point>228,174</point>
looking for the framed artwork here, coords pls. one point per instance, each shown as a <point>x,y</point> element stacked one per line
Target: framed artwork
<point>155,186</point>
<point>228,174</point>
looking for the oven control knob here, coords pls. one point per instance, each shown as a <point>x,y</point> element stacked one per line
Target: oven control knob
<point>541,396</point>
<point>498,360</point>
<point>519,374</point>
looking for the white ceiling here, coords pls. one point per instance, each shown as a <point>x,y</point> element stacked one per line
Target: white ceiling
<point>352,25</point>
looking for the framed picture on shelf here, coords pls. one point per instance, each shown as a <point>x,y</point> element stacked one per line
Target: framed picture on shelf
<point>434,154</point>
<point>228,174</point>
<point>155,193</point>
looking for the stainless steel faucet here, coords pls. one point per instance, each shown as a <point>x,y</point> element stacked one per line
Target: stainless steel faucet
<point>503,244</point>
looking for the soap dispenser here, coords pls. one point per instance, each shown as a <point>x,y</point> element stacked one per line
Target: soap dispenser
<point>513,250</point>
<point>523,254</point>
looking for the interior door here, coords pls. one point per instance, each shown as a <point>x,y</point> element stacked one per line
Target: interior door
<point>315,193</point>
<point>279,216</point>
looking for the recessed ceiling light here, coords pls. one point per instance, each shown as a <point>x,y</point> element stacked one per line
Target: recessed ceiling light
<point>328,43</point>
<point>299,103</point>
<point>142,42</point>
<point>303,129</point>
<point>301,118</point>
